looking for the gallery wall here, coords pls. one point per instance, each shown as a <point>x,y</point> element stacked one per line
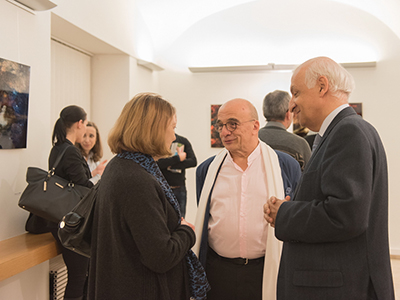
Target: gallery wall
<point>26,39</point>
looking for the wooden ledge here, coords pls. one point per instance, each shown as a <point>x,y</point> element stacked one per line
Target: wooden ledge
<point>24,251</point>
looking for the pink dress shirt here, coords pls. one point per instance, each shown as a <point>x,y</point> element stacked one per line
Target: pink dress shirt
<point>237,227</point>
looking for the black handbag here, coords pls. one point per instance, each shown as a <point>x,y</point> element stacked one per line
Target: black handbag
<point>37,225</point>
<point>48,195</point>
<point>75,228</point>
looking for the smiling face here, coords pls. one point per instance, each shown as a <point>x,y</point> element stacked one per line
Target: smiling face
<point>89,139</point>
<point>244,139</point>
<point>305,103</point>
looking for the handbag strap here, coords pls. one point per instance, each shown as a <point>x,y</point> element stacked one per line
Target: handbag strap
<point>59,158</point>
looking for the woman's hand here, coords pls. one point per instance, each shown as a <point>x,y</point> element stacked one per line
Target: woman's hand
<point>184,222</point>
<point>100,168</point>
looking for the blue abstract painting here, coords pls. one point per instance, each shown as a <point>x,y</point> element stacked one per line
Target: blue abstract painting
<point>14,98</point>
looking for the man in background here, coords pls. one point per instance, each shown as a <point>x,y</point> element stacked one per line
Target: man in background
<point>275,134</point>
<point>335,229</point>
<point>173,168</point>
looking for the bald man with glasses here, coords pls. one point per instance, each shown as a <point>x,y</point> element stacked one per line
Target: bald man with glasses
<point>234,242</point>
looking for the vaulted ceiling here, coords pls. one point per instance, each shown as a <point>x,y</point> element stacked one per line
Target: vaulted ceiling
<point>195,33</point>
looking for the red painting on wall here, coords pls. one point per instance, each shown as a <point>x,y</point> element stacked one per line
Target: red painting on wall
<point>357,107</point>
<point>215,139</point>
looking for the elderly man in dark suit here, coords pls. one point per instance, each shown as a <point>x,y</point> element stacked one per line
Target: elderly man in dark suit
<point>335,229</point>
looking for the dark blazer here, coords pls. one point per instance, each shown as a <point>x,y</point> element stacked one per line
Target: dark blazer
<point>72,166</point>
<point>335,231</point>
<point>290,171</point>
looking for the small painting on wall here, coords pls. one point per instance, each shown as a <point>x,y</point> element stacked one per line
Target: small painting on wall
<point>14,96</point>
<point>357,107</point>
<point>215,139</point>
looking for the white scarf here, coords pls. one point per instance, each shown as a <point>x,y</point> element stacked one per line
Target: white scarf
<point>275,188</point>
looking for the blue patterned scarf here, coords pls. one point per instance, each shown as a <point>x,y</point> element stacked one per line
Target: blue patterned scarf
<point>197,277</point>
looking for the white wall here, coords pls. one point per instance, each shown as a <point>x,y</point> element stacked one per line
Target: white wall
<point>117,23</point>
<point>26,39</point>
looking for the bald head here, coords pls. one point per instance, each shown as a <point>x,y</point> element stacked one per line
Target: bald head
<point>241,106</point>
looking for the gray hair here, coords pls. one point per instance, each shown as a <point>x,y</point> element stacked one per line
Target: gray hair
<point>276,105</point>
<point>339,79</point>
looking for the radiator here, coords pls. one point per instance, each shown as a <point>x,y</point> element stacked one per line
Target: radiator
<point>58,278</point>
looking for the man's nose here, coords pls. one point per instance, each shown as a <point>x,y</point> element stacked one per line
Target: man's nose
<point>291,105</point>
<point>225,130</point>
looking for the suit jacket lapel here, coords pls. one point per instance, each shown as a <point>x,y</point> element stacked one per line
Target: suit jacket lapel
<point>340,116</point>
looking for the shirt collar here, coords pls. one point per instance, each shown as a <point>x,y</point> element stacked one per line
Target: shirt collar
<point>328,120</point>
<point>275,124</point>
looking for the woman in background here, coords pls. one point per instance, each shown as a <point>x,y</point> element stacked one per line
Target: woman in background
<point>140,243</point>
<point>92,151</point>
<point>68,130</point>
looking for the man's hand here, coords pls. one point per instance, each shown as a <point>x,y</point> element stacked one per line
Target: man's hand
<point>271,209</point>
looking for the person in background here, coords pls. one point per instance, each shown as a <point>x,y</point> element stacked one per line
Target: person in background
<point>92,151</point>
<point>173,168</point>
<point>304,132</point>
<point>140,243</point>
<point>234,242</point>
<point>68,130</point>
<point>275,134</point>
<point>335,228</point>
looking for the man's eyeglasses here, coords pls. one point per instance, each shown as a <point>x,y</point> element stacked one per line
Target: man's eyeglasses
<point>230,125</point>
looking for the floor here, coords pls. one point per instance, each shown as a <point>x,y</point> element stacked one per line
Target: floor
<point>396,276</point>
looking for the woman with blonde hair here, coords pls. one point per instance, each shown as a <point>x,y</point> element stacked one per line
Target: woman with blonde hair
<point>140,243</point>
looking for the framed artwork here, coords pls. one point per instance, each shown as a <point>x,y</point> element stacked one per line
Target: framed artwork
<point>357,107</point>
<point>14,96</point>
<point>215,139</point>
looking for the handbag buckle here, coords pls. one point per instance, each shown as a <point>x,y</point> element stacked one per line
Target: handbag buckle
<point>50,173</point>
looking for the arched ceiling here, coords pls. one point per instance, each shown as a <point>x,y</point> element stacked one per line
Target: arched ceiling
<point>250,32</point>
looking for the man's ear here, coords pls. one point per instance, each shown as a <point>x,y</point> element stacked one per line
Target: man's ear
<point>323,85</point>
<point>257,125</point>
<point>288,116</point>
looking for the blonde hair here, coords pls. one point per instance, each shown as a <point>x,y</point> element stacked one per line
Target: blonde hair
<point>142,125</point>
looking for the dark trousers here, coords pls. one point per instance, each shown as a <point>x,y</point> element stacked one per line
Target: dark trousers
<point>232,281</point>
<point>180,194</point>
<point>77,266</point>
